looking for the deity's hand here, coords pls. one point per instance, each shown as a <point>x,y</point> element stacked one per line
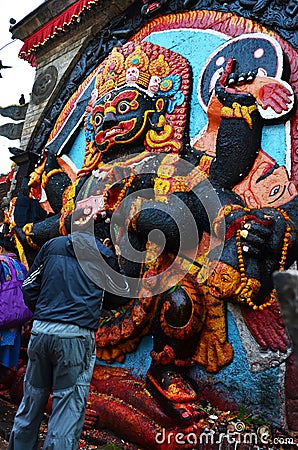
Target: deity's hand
<point>226,88</point>
<point>254,231</point>
<point>255,234</point>
<point>268,92</point>
<point>269,230</point>
<point>230,76</point>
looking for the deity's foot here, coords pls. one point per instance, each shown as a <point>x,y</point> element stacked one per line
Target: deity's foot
<point>175,393</point>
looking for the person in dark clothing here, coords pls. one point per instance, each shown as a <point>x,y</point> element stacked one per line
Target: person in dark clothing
<point>61,353</point>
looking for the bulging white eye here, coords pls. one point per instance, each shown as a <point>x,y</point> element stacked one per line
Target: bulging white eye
<point>98,119</point>
<point>123,107</point>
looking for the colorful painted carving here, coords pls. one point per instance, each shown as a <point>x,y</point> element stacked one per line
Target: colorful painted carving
<point>139,166</point>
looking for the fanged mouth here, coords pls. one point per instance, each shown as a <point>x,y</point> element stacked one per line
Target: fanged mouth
<point>113,132</point>
<point>119,131</point>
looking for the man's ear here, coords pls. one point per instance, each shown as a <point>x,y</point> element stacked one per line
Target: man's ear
<point>1,250</point>
<point>250,199</point>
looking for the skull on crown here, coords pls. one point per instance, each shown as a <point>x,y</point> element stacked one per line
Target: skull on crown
<point>132,74</point>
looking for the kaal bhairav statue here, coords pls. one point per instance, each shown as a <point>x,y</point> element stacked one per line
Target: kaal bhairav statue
<point>181,221</point>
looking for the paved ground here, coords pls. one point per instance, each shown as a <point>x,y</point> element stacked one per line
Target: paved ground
<point>6,419</point>
<point>8,411</point>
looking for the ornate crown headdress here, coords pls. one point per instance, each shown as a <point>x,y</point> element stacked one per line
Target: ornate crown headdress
<point>135,67</point>
<point>153,70</point>
<point>143,65</point>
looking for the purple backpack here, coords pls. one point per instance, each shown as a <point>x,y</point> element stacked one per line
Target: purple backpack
<point>13,311</point>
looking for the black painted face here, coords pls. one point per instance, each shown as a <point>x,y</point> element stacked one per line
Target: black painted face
<point>121,117</point>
